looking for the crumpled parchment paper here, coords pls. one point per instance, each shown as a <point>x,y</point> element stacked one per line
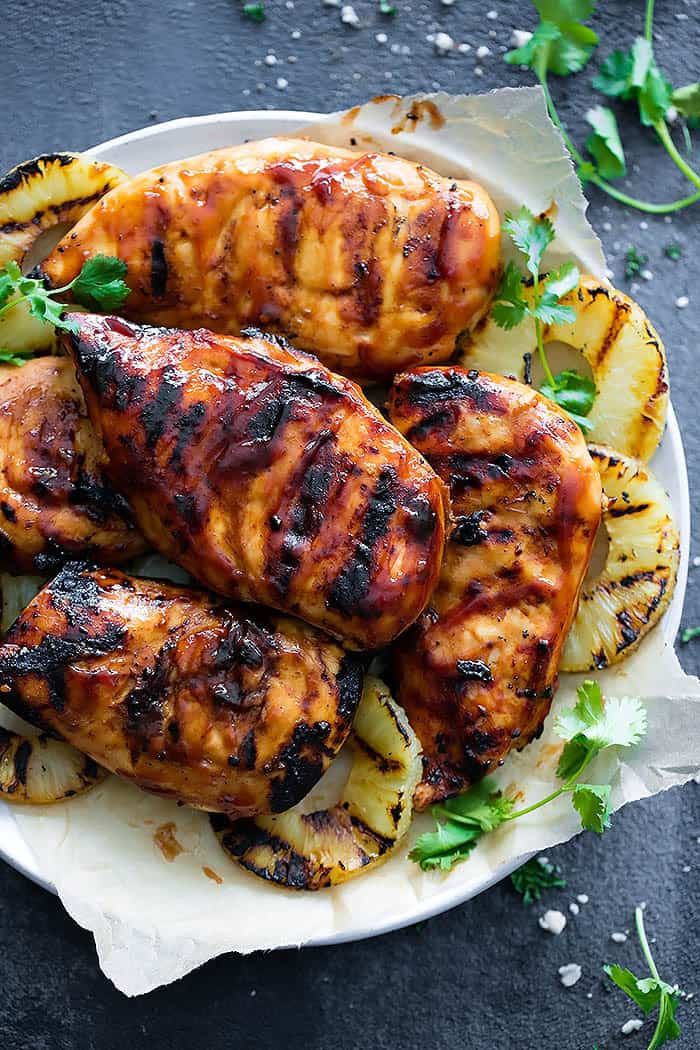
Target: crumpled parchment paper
<point>157,913</point>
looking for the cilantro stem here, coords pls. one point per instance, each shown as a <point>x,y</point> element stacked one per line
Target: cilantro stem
<point>568,786</point>
<point>649,20</point>
<point>641,933</point>
<point>543,357</point>
<point>664,134</point>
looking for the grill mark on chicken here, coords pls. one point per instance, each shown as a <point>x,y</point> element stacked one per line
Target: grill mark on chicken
<point>191,700</point>
<point>477,672</point>
<point>266,476</point>
<point>159,269</point>
<point>351,586</point>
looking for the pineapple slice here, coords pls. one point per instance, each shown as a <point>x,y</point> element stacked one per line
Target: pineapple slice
<point>620,605</point>
<point>309,851</point>
<point>36,770</point>
<point>623,349</point>
<point>54,190</point>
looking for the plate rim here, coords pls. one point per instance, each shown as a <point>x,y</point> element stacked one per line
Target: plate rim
<point>23,860</point>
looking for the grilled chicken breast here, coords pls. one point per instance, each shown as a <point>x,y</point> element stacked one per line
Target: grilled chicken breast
<point>266,476</point>
<point>477,673</point>
<point>371,262</point>
<point>200,702</point>
<point>55,503</point>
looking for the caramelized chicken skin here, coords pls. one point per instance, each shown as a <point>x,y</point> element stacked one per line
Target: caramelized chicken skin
<point>477,673</point>
<point>209,704</point>
<point>55,502</point>
<point>371,262</point>
<point>266,476</point>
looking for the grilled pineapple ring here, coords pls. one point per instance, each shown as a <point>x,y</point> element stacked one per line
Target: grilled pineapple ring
<point>36,770</point>
<point>623,349</point>
<point>629,596</point>
<point>309,851</point>
<point>52,190</point>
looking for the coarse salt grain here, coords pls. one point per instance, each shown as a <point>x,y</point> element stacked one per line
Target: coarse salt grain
<point>574,908</point>
<point>478,71</point>
<point>492,15</point>
<point>349,16</point>
<point>270,60</point>
<point>443,43</point>
<point>381,38</point>
<point>282,83</point>
<point>483,51</point>
<point>682,301</point>
<point>619,938</point>
<point>552,921</point>
<point>520,37</point>
<point>633,1025</point>
<point>696,563</point>
<point>647,275</point>
<point>570,974</point>
<point>685,869</point>
<point>464,48</point>
<point>582,898</point>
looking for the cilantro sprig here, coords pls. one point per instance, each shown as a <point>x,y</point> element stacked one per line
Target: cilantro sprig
<point>99,285</point>
<point>536,875</point>
<point>532,235</point>
<point>634,262</point>
<point>649,993</point>
<point>561,45</point>
<point>589,728</point>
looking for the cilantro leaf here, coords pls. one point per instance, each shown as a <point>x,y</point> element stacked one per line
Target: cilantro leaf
<point>667,1028</point>
<point>385,8</point>
<point>15,357</point>
<point>645,992</point>
<point>531,234</point>
<point>535,875</point>
<point>604,143</point>
<point>592,802</point>
<point>510,307</point>
<point>622,722</point>
<point>613,78</point>
<point>556,284</point>
<point>673,251</point>
<point>571,47</point>
<point>100,283</point>
<point>573,758</point>
<point>255,12</point>
<point>536,52</point>
<point>574,393</point>
<point>687,100</point>
<point>654,97</point>
<point>688,633</point>
<point>634,74</point>
<point>634,262</point>
<point>469,816</point>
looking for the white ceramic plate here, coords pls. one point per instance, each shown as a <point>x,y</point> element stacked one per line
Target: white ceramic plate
<point>161,143</point>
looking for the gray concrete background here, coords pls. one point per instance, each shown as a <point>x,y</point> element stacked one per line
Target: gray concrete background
<point>484,976</point>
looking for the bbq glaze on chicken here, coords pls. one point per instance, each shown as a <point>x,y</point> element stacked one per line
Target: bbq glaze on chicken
<point>477,673</point>
<point>55,503</point>
<point>209,704</point>
<point>369,261</point>
<point>267,477</point>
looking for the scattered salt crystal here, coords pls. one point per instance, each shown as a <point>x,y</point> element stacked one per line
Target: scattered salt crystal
<point>682,301</point>
<point>493,34</point>
<point>609,273</point>
<point>478,71</point>
<point>607,226</point>
<point>282,83</point>
<point>448,3</point>
<point>464,48</point>
<point>332,3</point>
<point>570,974</point>
<point>589,995</point>
<point>349,16</point>
<point>619,938</point>
<point>685,869</point>
<point>381,38</point>
<point>292,59</point>
<point>552,921</point>
<point>296,35</point>
<point>574,908</point>
<point>644,225</point>
<point>253,993</point>
<point>647,275</point>
<point>443,43</point>
<point>483,51</point>
<point>492,15</point>
<point>270,60</point>
<point>395,49</point>
<point>668,219</point>
<point>671,114</point>
<point>696,563</point>
<point>582,898</point>
<point>633,1025</point>
<point>520,37</point>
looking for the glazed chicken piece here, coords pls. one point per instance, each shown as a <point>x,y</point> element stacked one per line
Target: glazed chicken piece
<point>267,477</point>
<point>477,673</point>
<point>55,503</point>
<point>207,704</point>
<point>369,261</point>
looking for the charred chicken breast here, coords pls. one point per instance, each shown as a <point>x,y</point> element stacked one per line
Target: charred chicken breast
<point>200,702</point>
<point>266,476</point>
<point>369,261</point>
<point>477,673</point>
<point>55,502</point>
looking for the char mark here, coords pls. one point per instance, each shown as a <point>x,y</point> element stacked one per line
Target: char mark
<point>349,682</point>
<point>352,584</point>
<point>102,366</point>
<point>159,269</point>
<point>468,531</point>
<point>156,413</point>
<point>474,671</point>
<point>301,765</point>
<point>428,388</point>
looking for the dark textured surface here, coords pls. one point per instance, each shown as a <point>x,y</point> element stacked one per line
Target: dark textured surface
<point>482,976</point>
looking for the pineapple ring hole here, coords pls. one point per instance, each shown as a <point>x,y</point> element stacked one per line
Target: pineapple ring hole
<point>561,357</point>
<point>600,554</point>
<point>44,245</point>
